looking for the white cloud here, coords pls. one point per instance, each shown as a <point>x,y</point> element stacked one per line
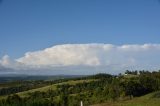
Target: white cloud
<point>89,57</point>
<point>64,55</point>
<point>5,61</point>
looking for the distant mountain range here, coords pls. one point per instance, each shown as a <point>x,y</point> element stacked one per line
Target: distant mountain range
<point>23,77</point>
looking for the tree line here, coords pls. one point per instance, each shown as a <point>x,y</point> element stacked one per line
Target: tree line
<point>104,87</point>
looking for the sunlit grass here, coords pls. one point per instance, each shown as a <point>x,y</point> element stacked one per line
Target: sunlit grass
<point>147,100</point>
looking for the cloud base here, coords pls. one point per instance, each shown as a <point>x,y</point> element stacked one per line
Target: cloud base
<point>86,59</point>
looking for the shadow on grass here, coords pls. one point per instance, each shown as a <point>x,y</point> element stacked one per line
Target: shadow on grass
<point>156,95</point>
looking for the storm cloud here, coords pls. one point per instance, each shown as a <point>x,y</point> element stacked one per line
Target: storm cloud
<point>89,58</point>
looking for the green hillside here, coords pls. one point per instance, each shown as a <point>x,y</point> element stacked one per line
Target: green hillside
<point>52,87</point>
<point>152,99</point>
<point>96,90</point>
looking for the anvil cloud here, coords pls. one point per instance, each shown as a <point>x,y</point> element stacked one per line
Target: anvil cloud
<point>89,58</point>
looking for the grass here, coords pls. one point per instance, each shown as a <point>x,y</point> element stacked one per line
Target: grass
<point>148,100</point>
<point>49,87</point>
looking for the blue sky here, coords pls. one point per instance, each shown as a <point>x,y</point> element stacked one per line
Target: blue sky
<point>29,25</point>
<point>65,35</point>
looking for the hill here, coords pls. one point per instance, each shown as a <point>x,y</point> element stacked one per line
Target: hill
<point>100,89</point>
<point>151,99</point>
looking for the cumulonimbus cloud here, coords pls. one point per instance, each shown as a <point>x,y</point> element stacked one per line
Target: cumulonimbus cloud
<point>106,57</point>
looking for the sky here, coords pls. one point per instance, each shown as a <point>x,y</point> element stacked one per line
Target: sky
<point>95,28</point>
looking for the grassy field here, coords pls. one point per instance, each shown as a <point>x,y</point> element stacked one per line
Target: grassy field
<point>52,87</point>
<point>49,87</point>
<point>152,99</point>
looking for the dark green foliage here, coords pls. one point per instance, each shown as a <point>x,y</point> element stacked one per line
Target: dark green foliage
<point>131,72</point>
